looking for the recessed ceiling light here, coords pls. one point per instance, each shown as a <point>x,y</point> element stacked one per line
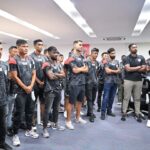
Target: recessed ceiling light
<point>26,24</point>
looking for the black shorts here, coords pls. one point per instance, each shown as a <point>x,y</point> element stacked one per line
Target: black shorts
<point>76,93</point>
<point>39,92</point>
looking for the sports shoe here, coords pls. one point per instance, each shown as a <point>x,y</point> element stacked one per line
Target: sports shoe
<point>45,133</point>
<point>123,118</point>
<point>65,114</point>
<point>34,128</point>
<point>16,141</point>
<point>138,118</point>
<point>32,134</point>
<point>69,125</point>
<point>56,126</point>
<point>80,120</point>
<point>148,123</point>
<point>102,116</point>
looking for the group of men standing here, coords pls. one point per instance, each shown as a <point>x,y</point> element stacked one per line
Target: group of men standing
<point>24,78</point>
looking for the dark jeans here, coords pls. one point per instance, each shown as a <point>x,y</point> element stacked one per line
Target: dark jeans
<point>108,97</point>
<point>52,101</point>
<point>2,124</point>
<point>91,90</point>
<point>23,104</point>
<point>100,91</point>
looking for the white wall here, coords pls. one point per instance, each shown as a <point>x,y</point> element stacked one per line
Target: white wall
<point>121,49</point>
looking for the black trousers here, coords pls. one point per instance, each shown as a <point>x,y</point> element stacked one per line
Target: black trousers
<point>23,105</point>
<point>100,91</point>
<point>91,90</point>
<point>52,102</point>
<point>2,124</point>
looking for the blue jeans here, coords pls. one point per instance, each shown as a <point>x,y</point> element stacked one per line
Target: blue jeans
<point>10,107</point>
<point>108,97</point>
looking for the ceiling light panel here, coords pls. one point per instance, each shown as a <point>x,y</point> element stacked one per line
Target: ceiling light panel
<point>69,8</point>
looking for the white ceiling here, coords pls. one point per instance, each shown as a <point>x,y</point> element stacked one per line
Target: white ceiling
<point>106,17</point>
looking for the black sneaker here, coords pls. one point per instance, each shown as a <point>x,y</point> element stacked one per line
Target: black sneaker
<point>138,118</point>
<point>9,132</point>
<point>123,118</point>
<point>109,113</point>
<point>89,115</point>
<point>91,118</point>
<point>102,116</point>
<point>5,146</point>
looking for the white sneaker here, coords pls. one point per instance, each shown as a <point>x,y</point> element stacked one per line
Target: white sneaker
<point>58,127</point>
<point>34,128</point>
<point>148,124</point>
<point>32,134</point>
<point>65,114</point>
<point>45,133</point>
<point>16,141</point>
<point>69,125</point>
<point>81,113</point>
<point>80,120</point>
<point>49,124</point>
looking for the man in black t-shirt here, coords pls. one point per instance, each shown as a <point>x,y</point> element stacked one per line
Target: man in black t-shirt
<point>53,73</point>
<point>39,59</point>
<point>77,84</point>
<point>92,82</point>
<point>23,73</point>
<point>134,67</point>
<point>3,102</point>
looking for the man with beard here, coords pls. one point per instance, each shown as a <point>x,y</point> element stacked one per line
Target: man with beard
<point>52,89</point>
<point>39,59</point>
<point>135,65</point>
<point>77,84</point>
<point>91,82</point>
<point>3,102</point>
<point>110,84</point>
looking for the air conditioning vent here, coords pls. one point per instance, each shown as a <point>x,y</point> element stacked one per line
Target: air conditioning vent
<point>114,38</point>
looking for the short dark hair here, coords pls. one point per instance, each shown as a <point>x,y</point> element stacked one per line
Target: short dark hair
<point>61,54</point>
<point>21,42</point>
<point>45,51</point>
<point>103,53</point>
<point>95,50</point>
<point>110,50</point>
<point>130,45</point>
<point>0,42</point>
<point>52,48</point>
<point>36,41</point>
<point>77,41</point>
<point>10,48</point>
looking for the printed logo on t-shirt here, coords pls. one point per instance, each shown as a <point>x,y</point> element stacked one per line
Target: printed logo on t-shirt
<point>139,60</point>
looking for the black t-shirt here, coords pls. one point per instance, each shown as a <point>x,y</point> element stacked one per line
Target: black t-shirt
<point>52,85</point>
<point>138,60</point>
<point>39,60</point>
<point>91,76</point>
<point>112,78</point>
<point>24,68</point>
<point>77,78</point>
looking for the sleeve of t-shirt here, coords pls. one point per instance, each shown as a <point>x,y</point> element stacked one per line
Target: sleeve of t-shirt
<point>143,62</point>
<point>73,64</point>
<point>12,64</point>
<point>126,61</point>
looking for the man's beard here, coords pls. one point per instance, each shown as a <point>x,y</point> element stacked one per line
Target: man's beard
<point>112,57</point>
